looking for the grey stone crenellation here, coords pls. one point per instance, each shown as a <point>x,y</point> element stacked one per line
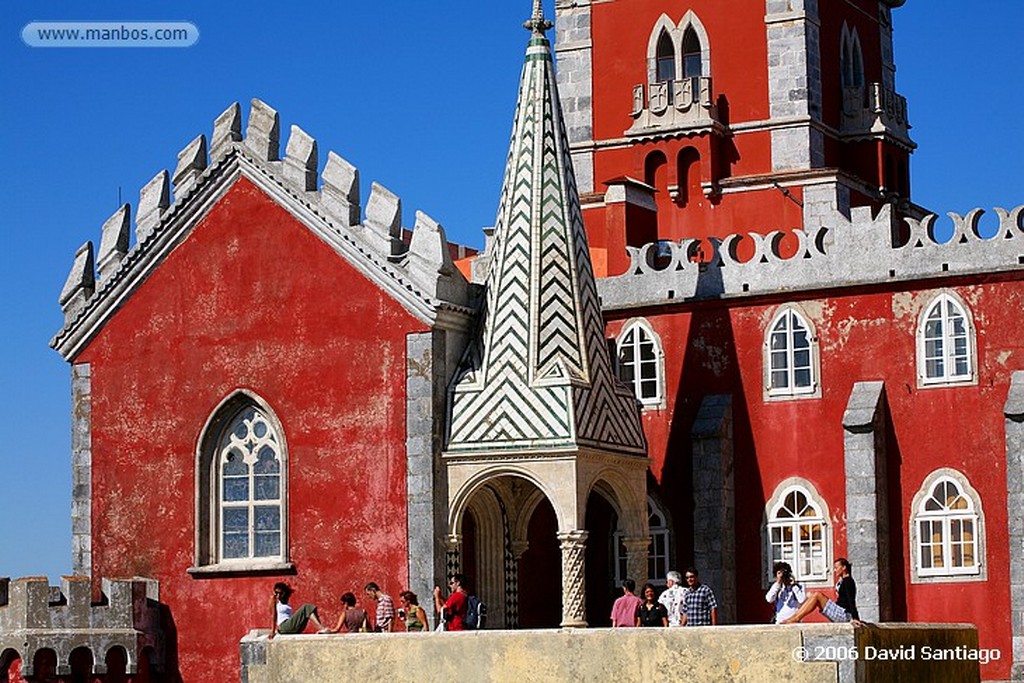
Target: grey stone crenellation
<point>35,616</point>
<point>840,251</point>
<point>423,267</point>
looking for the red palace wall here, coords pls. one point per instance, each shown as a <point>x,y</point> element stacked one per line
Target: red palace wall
<point>863,336</point>
<point>250,300</point>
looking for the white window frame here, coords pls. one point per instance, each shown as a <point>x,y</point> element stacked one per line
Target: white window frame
<point>942,301</point>
<point>642,331</point>
<point>791,314</point>
<point>659,553</point>
<point>946,518</point>
<point>780,501</point>
<point>210,506</point>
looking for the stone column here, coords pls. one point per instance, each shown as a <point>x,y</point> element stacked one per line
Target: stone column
<point>714,500</point>
<point>867,501</point>
<point>574,588</point>
<point>516,550</point>
<point>636,559</point>
<point>1014,414</point>
<point>81,470</point>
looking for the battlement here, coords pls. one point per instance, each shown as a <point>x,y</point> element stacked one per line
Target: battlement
<point>862,249</point>
<point>421,266</point>
<point>35,616</point>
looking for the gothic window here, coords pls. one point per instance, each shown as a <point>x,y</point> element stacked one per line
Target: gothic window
<point>243,488</point>
<point>945,343</point>
<point>692,54</point>
<point>946,523</point>
<point>640,362</point>
<point>665,61</point>
<point>791,356</point>
<point>851,59</point>
<point>658,555</point>
<point>797,532</point>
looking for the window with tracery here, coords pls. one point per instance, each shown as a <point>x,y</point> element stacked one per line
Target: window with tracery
<point>945,343</point>
<point>797,534</point>
<point>946,519</point>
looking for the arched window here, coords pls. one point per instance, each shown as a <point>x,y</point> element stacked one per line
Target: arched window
<point>945,343</point>
<point>665,60</point>
<point>946,527</point>
<point>639,355</point>
<point>791,356</point>
<point>692,54</point>
<point>851,59</point>
<point>658,555</point>
<point>242,493</point>
<point>797,532</point>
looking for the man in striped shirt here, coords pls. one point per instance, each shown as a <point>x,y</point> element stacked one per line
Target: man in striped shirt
<point>385,620</point>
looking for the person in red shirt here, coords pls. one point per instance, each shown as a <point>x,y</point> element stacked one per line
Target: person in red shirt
<point>453,610</point>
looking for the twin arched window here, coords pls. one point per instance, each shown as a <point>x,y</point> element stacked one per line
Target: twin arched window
<point>678,51</point>
<point>946,524</point>
<point>851,59</point>
<point>640,361</point>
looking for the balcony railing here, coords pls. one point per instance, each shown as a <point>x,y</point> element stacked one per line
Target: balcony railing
<point>683,104</point>
<point>872,110</point>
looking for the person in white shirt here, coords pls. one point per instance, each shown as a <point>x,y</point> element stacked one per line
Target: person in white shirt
<point>672,596</point>
<point>786,594</point>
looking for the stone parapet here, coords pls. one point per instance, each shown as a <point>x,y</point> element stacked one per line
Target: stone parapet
<point>812,653</point>
<point>864,249</point>
<point>35,616</point>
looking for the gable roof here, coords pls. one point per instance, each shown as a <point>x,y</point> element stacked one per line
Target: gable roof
<point>420,276</point>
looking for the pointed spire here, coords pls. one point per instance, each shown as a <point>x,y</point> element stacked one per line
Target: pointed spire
<point>541,364</point>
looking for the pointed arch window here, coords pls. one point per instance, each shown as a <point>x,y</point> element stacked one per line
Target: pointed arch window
<point>945,343</point>
<point>665,59</point>
<point>692,54</point>
<point>947,528</point>
<point>851,59</point>
<point>242,493</point>
<point>640,360</point>
<point>791,356</point>
<point>798,533</point>
<point>658,554</point>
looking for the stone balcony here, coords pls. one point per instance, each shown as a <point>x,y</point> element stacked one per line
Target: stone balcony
<point>873,111</point>
<point>671,107</point>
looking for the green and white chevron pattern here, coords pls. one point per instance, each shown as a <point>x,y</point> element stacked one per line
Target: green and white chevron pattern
<point>540,375</point>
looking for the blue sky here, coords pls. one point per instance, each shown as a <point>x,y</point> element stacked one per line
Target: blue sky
<point>418,95</point>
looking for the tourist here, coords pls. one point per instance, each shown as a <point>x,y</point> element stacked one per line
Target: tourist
<point>843,608</point>
<point>384,621</point>
<point>352,619</point>
<point>672,596</point>
<point>698,607</point>
<point>415,616</point>
<point>453,610</point>
<point>624,609</point>
<point>786,594</point>
<point>287,621</point>
<point>651,612</point>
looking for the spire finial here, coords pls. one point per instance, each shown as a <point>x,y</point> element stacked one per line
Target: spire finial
<point>537,23</point>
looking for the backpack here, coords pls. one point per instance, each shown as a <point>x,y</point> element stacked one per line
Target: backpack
<point>476,614</point>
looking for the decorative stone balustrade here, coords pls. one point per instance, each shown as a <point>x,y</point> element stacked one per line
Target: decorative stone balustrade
<point>865,249</point>
<point>873,110</point>
<point>668,106</point>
